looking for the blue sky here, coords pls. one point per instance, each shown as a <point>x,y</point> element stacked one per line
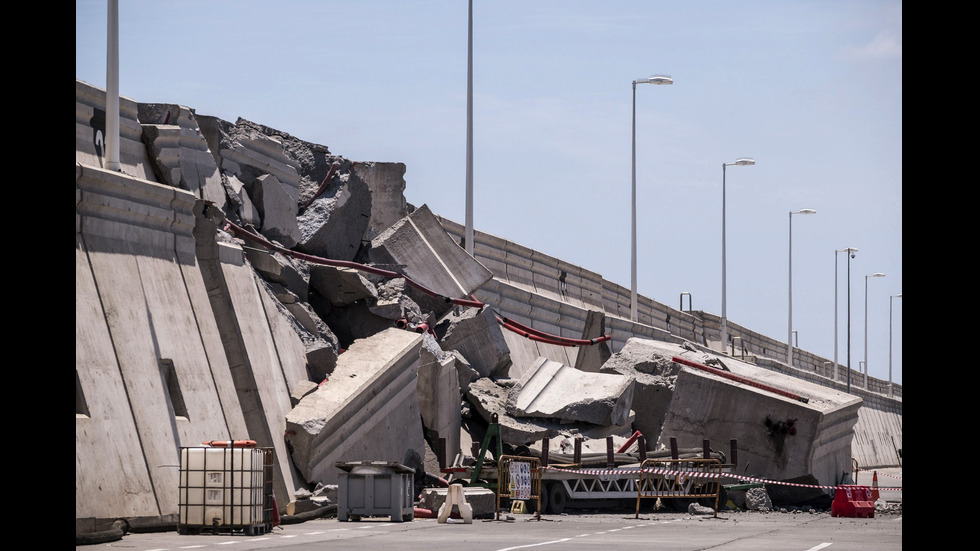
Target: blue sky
<point>812,90</point>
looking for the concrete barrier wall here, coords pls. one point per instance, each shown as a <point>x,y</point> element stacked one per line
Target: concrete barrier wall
<point>152,349</point>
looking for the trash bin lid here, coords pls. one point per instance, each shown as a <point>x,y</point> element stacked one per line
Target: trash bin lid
<point>378,467</point>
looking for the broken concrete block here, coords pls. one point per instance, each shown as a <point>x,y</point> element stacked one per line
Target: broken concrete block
<point>341,286</point>
<point>179,150</point>
<point>439,396</point>
<point>367,409</point>
<point>482,500</point>
<point>591,358</point>
<point>555,391</point>
<point>488,397</point>
<point>278,210</point>
<point>418,247</point>
<point>386,181</point>
<point>476,335</point>
<point>394,302</point>
<point>334,224</point>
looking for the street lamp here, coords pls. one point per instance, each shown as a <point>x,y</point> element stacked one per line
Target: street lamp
<point>658,79</point>
<point>849,257</point>
<point>850,251</point>
<point>876,274</point>
<point>789,329</point>
<point>468,233</point>
<point>724,317</point>
<point>890,342</point>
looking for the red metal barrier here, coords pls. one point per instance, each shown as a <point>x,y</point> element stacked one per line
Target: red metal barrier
<point>852,501</point>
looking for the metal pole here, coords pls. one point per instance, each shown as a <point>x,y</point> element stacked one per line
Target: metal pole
<point>865,324</point>
<point>890,342</point>
<point>789,326</point>
<point>724,320</point>
<point>468,238</point>
<point>112,89</point>
<point>848,323</point>
<point>633,307</point>
<point>835,314</point>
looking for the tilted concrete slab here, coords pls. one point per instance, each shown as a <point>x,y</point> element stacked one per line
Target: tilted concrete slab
<point>779,437</point>
<point>554,391</point>
<point>439,396</point>
<point>487,397</point>
<point>367,410</point>
<point>419,247</point>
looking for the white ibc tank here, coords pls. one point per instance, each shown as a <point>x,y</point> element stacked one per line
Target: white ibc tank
<point>221,486</point>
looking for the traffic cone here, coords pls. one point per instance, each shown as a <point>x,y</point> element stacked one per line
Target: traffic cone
<point>874,487</point>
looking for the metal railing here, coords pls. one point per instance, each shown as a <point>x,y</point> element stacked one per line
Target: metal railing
<point>679,478</point>
<point>519,478</point>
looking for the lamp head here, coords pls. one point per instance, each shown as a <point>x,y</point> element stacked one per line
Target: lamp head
<point>744,162</point>
<point>655,79</point>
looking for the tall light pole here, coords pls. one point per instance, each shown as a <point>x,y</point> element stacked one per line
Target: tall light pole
<point>849,257</point>
<point>468,235</point>
<point>112,89</point>
<point>890,341</point>
<point>850,251</point>
<point>724,317</point>
<point>658,79</point>
<point>789,328</point>
<point>876,274</point>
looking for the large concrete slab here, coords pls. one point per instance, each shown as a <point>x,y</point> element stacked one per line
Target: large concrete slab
<point>419,247</point>
<point>366,411</point>
<point>779,437</point>
<point>554,391</point>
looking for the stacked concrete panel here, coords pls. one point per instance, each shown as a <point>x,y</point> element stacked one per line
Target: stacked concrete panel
<point>90,133</point>
<point>180,151</point>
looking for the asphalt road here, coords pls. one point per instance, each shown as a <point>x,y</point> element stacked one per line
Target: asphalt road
<point>577,530</point>
<point>664,531</point>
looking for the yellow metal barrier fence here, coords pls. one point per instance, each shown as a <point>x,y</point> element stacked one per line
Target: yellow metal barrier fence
<point>519,478</point>
<point>679,478</point>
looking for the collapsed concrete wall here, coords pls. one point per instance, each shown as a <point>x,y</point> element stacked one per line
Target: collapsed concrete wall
<point>270,327</point>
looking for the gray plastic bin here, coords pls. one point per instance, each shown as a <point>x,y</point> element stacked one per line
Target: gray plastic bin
<point>375,488</point>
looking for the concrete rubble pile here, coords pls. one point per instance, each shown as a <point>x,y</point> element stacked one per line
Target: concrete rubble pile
<point>390,368</point>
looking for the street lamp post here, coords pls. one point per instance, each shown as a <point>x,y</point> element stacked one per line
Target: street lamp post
<point>850,251</point>
<point>789,329</point>
<point>468,234</point>
<point>724,316</point>
<point>890,342</point>
<point>876,274</point>
<point>658,79</point>
<point>849,257</point>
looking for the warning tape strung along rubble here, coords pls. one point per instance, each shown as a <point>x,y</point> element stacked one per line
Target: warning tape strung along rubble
<point>509,324</point>
<point>880,474</point>
<point>696,474</point>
